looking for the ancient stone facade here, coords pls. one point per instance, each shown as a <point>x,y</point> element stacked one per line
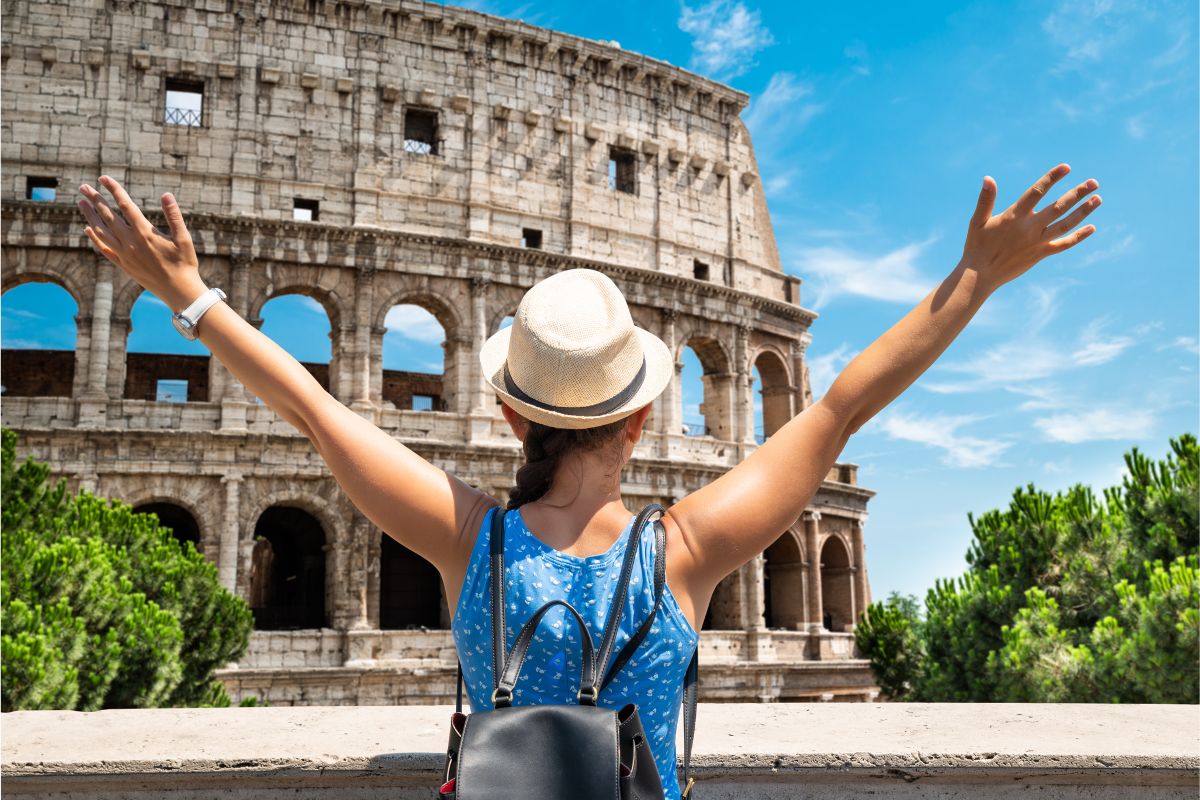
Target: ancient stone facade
<point>368,153</point>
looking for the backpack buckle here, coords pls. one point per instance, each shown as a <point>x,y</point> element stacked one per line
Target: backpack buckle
<point>587,696</point>
<point>501,697</point>
<point>687,788</point>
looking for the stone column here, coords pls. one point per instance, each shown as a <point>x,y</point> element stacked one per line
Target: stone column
<point>812,521</point>
<point>346,567</point>
<point>669,422</point>
<point>234,397</point>
<point>227,552</point>
<point>377,332</point>
<point>862,595</point>
<point>479,334</point>
<point>372,552</point>
<point>759,644</point>
<point>744,385</point>
<point>798,349</point>
<point>360,355</point>
<point>457,376</point>
<point>93,408</point>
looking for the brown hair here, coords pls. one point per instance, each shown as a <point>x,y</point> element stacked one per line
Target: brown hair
<point>545,447</point>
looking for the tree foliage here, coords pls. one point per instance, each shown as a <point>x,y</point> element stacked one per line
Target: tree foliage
<point>1066,599</point>
<point>102,607</point>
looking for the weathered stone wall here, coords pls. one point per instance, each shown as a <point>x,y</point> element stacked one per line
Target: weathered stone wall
<point>308,100</point>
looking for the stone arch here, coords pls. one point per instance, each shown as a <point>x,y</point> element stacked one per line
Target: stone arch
<point>397,386</point>
<point>288,570</point>
<point>837,590</point>
<point>724,609</point>
<point>410,589</point>
<point>328,375</point>
<point>784,584</point>
<point>175,516</point>
<point>776,389</point>
<point>716,379</point>
<point>332,518</point>
<point>176,371</point>
<point>75,270</point>
<point>503,300</point>
<point>45,372</point>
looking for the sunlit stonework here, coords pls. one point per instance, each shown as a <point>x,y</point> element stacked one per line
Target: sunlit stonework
<point>371,153</point>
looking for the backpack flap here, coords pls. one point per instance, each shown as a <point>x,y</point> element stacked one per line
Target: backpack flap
<point>548,752</point>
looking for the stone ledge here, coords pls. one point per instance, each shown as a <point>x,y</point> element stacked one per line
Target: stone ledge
<point>784,750</point>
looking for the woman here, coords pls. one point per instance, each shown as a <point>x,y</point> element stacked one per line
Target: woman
<point>577,381</point>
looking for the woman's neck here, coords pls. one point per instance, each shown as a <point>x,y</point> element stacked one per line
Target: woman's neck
<point>582,513</point>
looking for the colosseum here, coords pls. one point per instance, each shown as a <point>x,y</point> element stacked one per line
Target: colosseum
<point>369,154</point>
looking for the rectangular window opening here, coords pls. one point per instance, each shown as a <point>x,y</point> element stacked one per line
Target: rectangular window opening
<point>622,170</point>
<point>305,210</point>
<point>531,238</point>
<point>699,270</point>
<point>171,391</point>
<point>422,402</point>
<point>420,132</point>
<point>185,103</point>
<point>40,188</point>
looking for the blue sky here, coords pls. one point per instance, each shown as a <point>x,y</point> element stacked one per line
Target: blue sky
<point>874,125</point>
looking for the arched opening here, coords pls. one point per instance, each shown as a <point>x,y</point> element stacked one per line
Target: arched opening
<point>287,573</point>
<point>837,592</point>
<point>410,589</point>
<point>161,365</point>
<point>706,389</point>
<point>783,584</point>
<point>415,360</point>
<point>182,524</point>
<point>724,610</point>
<point>772,395</point>
<point>301,325</point>
<point>40,335</point>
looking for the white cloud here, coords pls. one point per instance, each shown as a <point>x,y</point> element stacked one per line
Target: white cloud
<point>1095,424</point>
<point>856,51</point>
<point>1120,247</point>
<point>777,112</point>
<point>725,37</point>
<point>1135,126</point>
<point>1029,356</point>
<point>414,322</point>
<point>837,270</point>
<point>310,303</point>
<point>940,431</point>
<point>1187,343</point>
<point>823,369</point>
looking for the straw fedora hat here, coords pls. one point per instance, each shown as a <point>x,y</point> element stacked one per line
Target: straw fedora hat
<point>572,357</point>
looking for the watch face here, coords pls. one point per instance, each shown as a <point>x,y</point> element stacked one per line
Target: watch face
<point>182,327</point>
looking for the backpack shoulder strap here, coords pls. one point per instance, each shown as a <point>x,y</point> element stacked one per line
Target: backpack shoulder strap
<point>499,638</point>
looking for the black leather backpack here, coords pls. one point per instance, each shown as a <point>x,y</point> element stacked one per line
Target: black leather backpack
<point>562,752</point>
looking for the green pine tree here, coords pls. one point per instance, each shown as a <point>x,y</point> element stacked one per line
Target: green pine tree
<point>104,608</point>
<point>1067,599</point>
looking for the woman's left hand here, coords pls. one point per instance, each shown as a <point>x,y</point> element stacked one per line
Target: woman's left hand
<point>164,263</point>
<point>1000,248</point>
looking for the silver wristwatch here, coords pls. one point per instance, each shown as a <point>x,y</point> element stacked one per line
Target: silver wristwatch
<point>186,320</point>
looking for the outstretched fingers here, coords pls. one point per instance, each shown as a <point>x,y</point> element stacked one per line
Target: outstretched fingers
<point>986,202</point>
<point>1074,218</point>
<point>174,215</point>
<point>1064,203</point>
<point>133,214</point>
<point>1067,242</point>
<point>1034,194</point>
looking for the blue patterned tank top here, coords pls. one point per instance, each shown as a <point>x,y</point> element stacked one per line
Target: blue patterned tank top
<point>536,573</point>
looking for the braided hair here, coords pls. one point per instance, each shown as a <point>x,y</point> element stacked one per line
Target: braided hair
<point>545,448</point>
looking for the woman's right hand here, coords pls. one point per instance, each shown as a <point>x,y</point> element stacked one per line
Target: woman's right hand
<point>164,264</point>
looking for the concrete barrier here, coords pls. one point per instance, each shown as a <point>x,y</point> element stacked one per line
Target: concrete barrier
<point>897,750</point>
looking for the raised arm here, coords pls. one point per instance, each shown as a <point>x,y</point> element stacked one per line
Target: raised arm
<point>415,502</point>
<point>731,520</point>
